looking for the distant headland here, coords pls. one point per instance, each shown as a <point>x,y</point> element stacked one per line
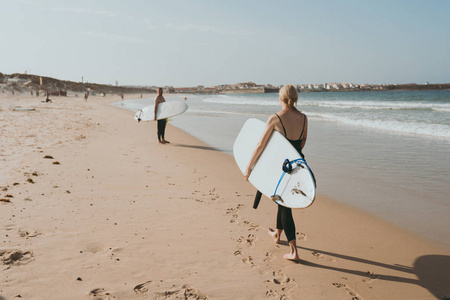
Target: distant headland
<point>27,82</point>
<point>35,83</point>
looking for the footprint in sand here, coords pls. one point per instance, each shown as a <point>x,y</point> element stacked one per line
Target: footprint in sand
<point>214,196</point>
<point>142,289</point>
<point>274,295</point>
<point>248,261</point>
<point>28,234</point>
<point>249,240</point>
<point>269,257</point>
<point>301,236</point>
<point>321,256</point>
<point>184,292</point>
<point>251,225</point>
<point>370,276</point>
<point>100,294</point>
<point>284,282</point>
<point>235,209</point>
<point>352,293</point>
<point>197,197</point>
<point>200,179</point>
<point>15,257</point>
<point>234,212</point>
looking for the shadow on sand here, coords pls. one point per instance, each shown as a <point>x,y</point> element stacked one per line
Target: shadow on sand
<point>432,271</point>
<point>196,147</point>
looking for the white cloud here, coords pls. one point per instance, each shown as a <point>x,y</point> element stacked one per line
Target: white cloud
<point>80,10</point>
<point>209,29</point>
<point>115,37</point>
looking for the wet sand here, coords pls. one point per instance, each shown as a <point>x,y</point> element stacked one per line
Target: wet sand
<point>112,214</point>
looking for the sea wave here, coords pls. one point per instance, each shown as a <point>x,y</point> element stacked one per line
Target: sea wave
<point>380,105</point>
<point>430,129</point>
<point>240,101</point>
<point>223,112</point>
<point>414,127</point>
<point>340,104</point>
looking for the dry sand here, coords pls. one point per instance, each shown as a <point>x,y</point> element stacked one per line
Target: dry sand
<point>115,215</point>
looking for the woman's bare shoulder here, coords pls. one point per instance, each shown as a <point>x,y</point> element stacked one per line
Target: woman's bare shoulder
<point>273,119</point>
<point>304,115</point>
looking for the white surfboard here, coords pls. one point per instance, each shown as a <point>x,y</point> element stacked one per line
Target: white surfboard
<point>165,110</point>
<point>294,190</point>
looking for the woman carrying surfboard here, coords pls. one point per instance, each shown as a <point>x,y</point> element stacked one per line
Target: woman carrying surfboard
<point>161,123</point>
<point>293,124</point>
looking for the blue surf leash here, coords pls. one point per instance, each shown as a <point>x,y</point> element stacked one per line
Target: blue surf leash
<point>287,169</point>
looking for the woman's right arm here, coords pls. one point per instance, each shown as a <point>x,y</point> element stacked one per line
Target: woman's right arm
<point>270,127</point>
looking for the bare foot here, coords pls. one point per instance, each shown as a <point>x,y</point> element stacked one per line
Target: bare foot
<point>292,256</point>
<point>162,142</point>
<point>275,235</point>
<point>166,142</point>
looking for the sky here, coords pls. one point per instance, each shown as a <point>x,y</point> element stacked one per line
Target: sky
<point>206,42</point>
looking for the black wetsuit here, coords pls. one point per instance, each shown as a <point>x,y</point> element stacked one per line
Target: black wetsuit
<point>285,221</point>
<point>161,129</point>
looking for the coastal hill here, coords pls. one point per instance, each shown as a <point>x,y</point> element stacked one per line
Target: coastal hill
<point>28,82</point>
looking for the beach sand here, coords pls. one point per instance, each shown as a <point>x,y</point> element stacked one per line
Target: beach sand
<point>112,214</point>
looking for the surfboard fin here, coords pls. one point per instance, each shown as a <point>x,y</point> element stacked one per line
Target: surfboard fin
<point>297,191</point>
<point>276,198</point>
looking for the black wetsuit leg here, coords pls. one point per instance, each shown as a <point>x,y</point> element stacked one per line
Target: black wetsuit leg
<point>161,129</point>
<point>285,222</point>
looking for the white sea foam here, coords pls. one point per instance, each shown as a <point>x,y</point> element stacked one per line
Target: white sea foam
<point>240,101</point>
<point>430,129</point>
<point>223,112</point>
<point>380,105</point>
<point>338,104</point>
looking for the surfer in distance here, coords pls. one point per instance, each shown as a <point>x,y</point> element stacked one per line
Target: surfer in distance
<point>293,124</point>
<point>161,123</point>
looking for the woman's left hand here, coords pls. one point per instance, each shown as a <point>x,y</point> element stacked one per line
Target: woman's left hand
<point>246,175</point>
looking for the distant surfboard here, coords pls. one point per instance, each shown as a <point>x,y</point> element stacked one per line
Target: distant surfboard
<point>23,109</point>
<point>165,110</point>
<point>296,189</point>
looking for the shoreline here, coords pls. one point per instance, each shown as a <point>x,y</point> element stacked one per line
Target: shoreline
<point>119,209</point>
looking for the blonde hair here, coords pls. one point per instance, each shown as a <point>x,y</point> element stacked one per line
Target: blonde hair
<point>289,95</point>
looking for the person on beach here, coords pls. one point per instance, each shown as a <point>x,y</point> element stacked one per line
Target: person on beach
<point>48,99</point>
<point>293,124</point>
<point>161,123</point>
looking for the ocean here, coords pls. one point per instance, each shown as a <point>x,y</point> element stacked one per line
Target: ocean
<point>386,152</point>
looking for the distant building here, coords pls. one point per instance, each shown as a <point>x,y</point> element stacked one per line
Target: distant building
<point>246,85</point>
<point>182,90</point>
<point>210,90</point>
